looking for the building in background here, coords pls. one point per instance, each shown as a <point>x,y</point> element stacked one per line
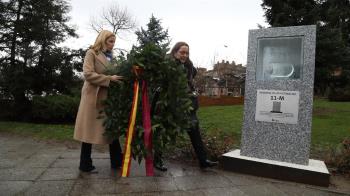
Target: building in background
<point>226,79</point>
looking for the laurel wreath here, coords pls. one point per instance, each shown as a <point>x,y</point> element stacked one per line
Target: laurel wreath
<point>172,107</point>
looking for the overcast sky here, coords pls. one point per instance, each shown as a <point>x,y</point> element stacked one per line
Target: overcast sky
<point>214,29</point>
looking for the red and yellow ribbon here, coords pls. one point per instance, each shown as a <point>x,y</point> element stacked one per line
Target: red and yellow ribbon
<point>147,137</point>
<point>130,132</point>
<point>146,121</point>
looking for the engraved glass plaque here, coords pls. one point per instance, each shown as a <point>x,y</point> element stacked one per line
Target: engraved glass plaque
<point>279,58</point>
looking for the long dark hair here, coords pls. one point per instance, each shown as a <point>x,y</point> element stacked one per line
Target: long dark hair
<point>176,48</point>
<point>192,71</point>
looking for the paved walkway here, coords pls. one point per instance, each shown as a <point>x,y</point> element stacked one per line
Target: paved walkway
<point>31,167</point>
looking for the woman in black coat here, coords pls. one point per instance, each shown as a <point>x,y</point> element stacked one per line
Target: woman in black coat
<point>180,53</point>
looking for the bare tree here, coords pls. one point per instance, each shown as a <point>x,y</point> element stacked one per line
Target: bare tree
<point>115,18</point>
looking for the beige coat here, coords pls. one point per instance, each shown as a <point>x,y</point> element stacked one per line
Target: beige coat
<point>88,128</point>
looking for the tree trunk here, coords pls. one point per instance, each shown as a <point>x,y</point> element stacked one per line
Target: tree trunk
<point>14,36</point>
<point>16,70</point>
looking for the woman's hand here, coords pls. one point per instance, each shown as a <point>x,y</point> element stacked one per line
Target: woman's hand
<point>115,78</point>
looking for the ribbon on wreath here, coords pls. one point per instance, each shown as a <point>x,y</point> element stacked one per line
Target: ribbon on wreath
<point>147,137</point>
<point>146,120</point>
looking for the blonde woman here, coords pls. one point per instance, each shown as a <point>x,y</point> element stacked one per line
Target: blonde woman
<point>89,128</point>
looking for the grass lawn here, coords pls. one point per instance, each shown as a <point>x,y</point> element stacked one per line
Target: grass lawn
<point>331,124</point>
<point>42,131</point>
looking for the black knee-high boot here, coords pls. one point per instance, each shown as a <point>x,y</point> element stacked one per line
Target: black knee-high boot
<point>115,153</point>
<point>199,148</point>
<point>197,143</point>
<point>196,139</point>
<point>85,158</point>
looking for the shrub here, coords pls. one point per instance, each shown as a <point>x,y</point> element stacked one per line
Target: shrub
<point>218,143</point>
<point>7,111</point>
<point>339,158</point>
<point>54,108</point>
<point>340,95</point>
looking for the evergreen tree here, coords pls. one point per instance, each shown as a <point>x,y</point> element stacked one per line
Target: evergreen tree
<point>160,72</point>
<point>335,46</point>
<point>13,70</point>
<point>155,34</point>
<point>290,12</point>
<point>332,18</point>
<point>31,62</point>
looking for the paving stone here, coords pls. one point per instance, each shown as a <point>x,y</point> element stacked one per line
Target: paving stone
<point>168,193</point>
<point>261,190</point>
<point>19,153</point>
<point>44,168</point>
<point>103,169</point>
<point>178,170</point>
<point>66,163</point>
<point>136,169</point>
<point>94,194</point>
<point>28,149</point>
<point>102,173</point>
<point>60,174</point>
<point>301,190</point>
<point>201,181</point>
<point>52,188</point>
<point>145,184</point>
<point>38,160</point>
<point>340,183</point>
<point>94,187</point>
<point>53,150</point>
<point>223,192</point>
<point>8,163</point>
<point>70,154</point>
<point>13,187</point>
<point>21,174</point>
<point>183,193</point>
<point>243,180</point>
<point>140,194</point>
<point>99,155</point>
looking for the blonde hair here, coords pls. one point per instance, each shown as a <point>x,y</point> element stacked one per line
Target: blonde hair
<point>100,42</point>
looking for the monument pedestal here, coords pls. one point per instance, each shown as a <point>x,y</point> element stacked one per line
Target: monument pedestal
<point>315,173</point>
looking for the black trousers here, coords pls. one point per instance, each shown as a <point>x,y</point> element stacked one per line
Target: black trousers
<point>195,137</point>
<point>115,153</point>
